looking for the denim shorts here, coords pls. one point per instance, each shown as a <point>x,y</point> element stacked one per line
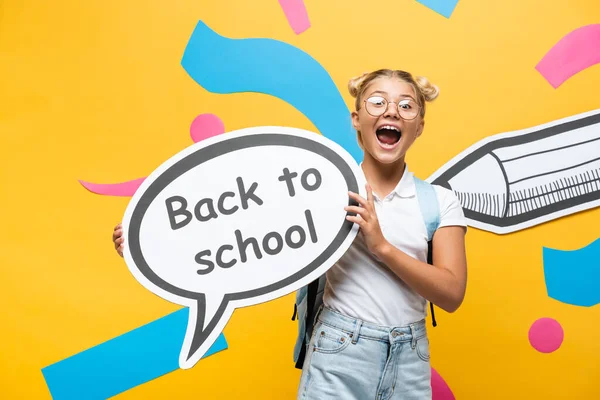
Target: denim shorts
<point>351,359</point>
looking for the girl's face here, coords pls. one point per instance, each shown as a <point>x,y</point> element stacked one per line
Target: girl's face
<point>388,136</point>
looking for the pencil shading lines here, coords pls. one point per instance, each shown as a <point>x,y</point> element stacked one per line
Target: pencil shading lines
<point>484,203</point>
<point>516,180</point>
<point>531,199</point>
<point>573,276</point>
<point>503,170</point>
<point>563,189</point>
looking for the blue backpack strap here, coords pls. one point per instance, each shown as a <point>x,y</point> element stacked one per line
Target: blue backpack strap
<point>430,211</point>
<point>430,208</point>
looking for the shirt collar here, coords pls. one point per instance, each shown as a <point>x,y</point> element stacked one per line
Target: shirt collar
<point>406,186</point>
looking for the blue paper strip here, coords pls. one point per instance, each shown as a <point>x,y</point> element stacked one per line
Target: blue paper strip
<point>573,277</point>
<point>124,362</point>
<point>223,65</point>
<point>443,7</point>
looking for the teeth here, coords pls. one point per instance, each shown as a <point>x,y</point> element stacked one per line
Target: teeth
<point>393,128</point>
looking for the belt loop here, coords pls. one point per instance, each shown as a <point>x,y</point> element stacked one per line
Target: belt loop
<point>357,325</point>
<point>316,316</point>
<point>413,334</point>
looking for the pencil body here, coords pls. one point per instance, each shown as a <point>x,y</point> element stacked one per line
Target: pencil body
<point>516,180</point>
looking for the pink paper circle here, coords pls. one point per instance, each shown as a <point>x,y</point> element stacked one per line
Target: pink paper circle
<point>546,335</point>
<point>205,126</point>
<point>439,387</point>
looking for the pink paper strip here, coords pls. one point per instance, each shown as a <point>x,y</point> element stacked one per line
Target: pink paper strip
<point>114,189</point>
<point>296,14</point>
<point>575,52</point>
<point>202,127</point>
<point>205,126</point>
<point>439,387</point>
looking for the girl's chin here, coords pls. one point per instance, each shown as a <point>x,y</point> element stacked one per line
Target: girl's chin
<point>385,157</point>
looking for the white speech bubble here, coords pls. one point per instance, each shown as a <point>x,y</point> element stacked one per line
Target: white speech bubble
<point>240,219</point>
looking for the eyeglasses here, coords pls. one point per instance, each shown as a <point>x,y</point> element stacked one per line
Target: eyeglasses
<point>377,106</point>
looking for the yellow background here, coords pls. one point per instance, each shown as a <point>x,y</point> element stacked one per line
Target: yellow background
<point>94,90</point>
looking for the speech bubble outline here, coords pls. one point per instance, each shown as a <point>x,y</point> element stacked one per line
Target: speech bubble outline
<point>208,316</point>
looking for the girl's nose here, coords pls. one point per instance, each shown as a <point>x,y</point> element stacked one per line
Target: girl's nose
<point>392,110</point>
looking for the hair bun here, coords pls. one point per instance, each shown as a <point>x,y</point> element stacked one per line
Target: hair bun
<point>430,91</point>
<point>354,85</point>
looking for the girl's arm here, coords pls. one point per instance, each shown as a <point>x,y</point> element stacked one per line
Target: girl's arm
<point>444,283</point>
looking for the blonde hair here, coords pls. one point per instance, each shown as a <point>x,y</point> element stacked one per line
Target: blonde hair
<point>424,90</point>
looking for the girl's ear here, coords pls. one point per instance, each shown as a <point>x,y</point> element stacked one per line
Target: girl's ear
<point>420,127</point>
<point>355,120</point>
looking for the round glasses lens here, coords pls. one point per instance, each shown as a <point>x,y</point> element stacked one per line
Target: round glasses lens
<point>408,108</point>
<point>376,105</point>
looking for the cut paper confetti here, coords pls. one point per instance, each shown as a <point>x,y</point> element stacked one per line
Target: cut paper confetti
<point>439,387</point>
<point>573,277</point>
<point>205,126</point>
<point>124,362</point>
<point>442,7</point>
<point>125,189</point>
<point>223,65</point>
<point>516,180</point>
<point>202,127</point>
<point>546,335</point>
<point>578,50</point>
<point>295,12</point>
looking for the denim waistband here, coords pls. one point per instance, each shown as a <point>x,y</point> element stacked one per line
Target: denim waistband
<point>357,328</point>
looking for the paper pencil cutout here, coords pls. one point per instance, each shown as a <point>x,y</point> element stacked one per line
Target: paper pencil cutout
<point>516,180</point>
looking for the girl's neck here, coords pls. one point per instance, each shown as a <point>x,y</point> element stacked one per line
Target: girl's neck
<point>383,178</point>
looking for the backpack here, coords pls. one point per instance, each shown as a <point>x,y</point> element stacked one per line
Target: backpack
<point>310,297</point>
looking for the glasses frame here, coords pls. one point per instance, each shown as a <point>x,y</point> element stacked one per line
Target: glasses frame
<point>397,104</point>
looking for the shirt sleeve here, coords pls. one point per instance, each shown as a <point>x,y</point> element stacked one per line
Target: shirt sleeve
<point>451,211</point>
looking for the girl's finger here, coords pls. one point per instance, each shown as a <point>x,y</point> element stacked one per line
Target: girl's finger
<point>358,198</point>
<point>358,210</point>
<point>370,194</point>
<point>356,219</point>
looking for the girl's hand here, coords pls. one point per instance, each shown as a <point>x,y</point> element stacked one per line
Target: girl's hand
<point>118,239</point>
<point>366,218</point>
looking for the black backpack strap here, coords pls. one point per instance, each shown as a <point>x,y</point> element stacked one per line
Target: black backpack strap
<point>430,261</point>
<point>311,297</point>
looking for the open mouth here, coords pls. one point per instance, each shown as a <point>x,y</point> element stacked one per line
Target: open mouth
<point>388,136</point>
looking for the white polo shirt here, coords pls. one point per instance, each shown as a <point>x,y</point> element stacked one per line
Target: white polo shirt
<point>361,286</point>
